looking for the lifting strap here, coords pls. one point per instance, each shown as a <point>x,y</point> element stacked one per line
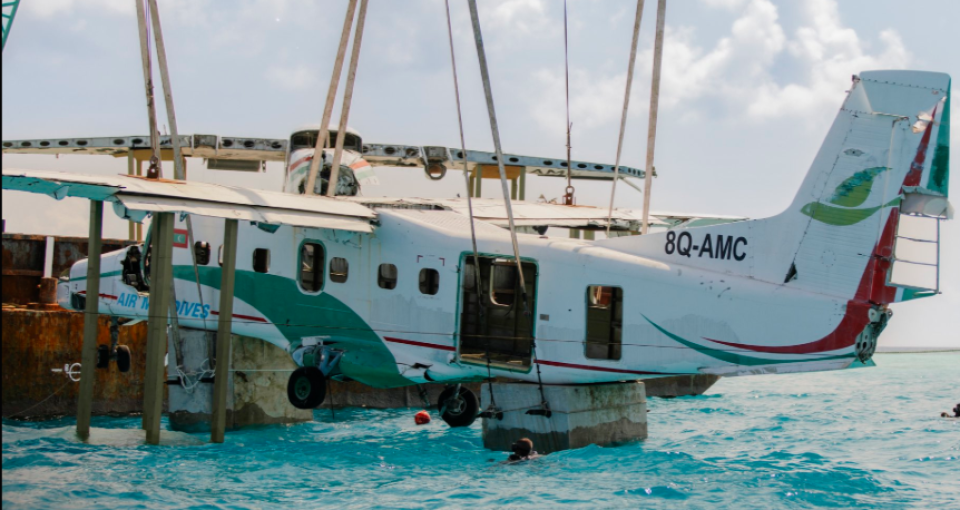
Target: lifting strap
<point>347,101</point>
<point>654,106</point>
<point>495,131</point>
<point>473,229</point>
<point>323,136</point>
<point>626,108</point>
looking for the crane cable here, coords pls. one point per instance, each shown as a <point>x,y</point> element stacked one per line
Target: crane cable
<point>473,228</point>
<point>568,198</point>
<point>495,132</point>
<point>626,108</point>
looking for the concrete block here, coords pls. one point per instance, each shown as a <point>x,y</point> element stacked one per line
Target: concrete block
<point>257,388</point>
<point>601,414</point>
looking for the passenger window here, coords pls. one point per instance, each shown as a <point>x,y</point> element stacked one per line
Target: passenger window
<point>429,282</point>
<point>604,322</point>
<point>261,260</point>
<point>311,267</point>
<point>339,270</point>
<point>387,276</point>
<point>202,251</point>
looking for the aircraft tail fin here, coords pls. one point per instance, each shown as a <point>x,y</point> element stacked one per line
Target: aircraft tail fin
<point>884,163</point>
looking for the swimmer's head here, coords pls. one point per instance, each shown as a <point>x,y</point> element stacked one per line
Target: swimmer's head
<point>522,447</point>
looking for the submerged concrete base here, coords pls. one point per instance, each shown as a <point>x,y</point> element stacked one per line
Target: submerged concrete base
<point>601,414</point>
<point>257,388</point>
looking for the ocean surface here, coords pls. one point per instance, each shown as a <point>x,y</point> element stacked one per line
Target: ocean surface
<point>866,438</point>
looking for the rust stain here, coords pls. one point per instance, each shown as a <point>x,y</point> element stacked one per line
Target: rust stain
<point>35,342</point>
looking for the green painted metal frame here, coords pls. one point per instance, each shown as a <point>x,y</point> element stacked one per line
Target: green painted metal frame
<point>8,18</point>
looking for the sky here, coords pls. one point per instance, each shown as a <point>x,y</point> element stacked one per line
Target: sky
<point>748,92</point>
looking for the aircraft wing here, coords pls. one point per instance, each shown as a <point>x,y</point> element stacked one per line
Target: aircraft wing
<point>135,197</point>
<point>412,156</point>
<point>526,214</point>
<point>677,219</point>
<point>211,147</point>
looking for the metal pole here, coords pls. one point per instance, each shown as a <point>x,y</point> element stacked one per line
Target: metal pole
<point>654,105</point>
<point>347,100</point>
<point>324,132</point>
<point>91,320</point>
<point>132,229</point>
<point>224,333</point>
<point>179,172</point>
<point>147,64</point>
<point>161,276</point>
<point>523,184</point>
<point>495,130</point>
<point>626,108</point>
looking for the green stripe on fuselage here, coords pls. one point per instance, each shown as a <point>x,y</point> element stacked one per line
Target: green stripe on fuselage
<point>298,315</point>
<point>736,358</point>
<point>940,168</point>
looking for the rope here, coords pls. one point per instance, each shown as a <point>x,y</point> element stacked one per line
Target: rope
<point>38,404</point>
<point>626,107</point>
<point>568,194</point>
<point>466,180</point>
<point>201,375</point>
<point>323,135</point>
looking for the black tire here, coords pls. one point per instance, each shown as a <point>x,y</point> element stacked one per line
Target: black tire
<point>459,411</point>
<point>103,357</point>
<point>123,359</point>
<point>307,388</point>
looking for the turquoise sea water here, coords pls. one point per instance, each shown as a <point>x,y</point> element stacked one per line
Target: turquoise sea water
<point>869,438</point>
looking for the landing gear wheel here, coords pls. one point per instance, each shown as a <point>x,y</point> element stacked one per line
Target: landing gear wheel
<point>103,357</point>
<point>123,359</point>
<point>307,388</point>
<point>458,410</point>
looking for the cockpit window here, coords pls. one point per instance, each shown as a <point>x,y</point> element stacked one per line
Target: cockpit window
<point>308,140</point>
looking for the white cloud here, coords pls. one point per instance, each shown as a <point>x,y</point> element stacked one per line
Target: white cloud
<point>740,75</point>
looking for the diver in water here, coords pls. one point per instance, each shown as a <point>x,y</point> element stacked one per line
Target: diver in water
<point>522,450</point>
<point>956,413</point>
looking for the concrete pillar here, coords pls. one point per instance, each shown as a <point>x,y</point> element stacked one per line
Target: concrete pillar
<point>161,278</point>
<point>91,322</point>
<point>478,184</point>
<point>601,414</point>
<point>255,389</point>
<point>228,272</point>
<point>514,189</point>
<point>589,235</point>
<point>574,233</point>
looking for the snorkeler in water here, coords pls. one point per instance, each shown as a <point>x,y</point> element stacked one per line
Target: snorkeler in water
<point>522,450</point>
<point>956,413</point>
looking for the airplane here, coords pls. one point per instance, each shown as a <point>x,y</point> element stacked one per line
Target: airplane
<point>389,292</point>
